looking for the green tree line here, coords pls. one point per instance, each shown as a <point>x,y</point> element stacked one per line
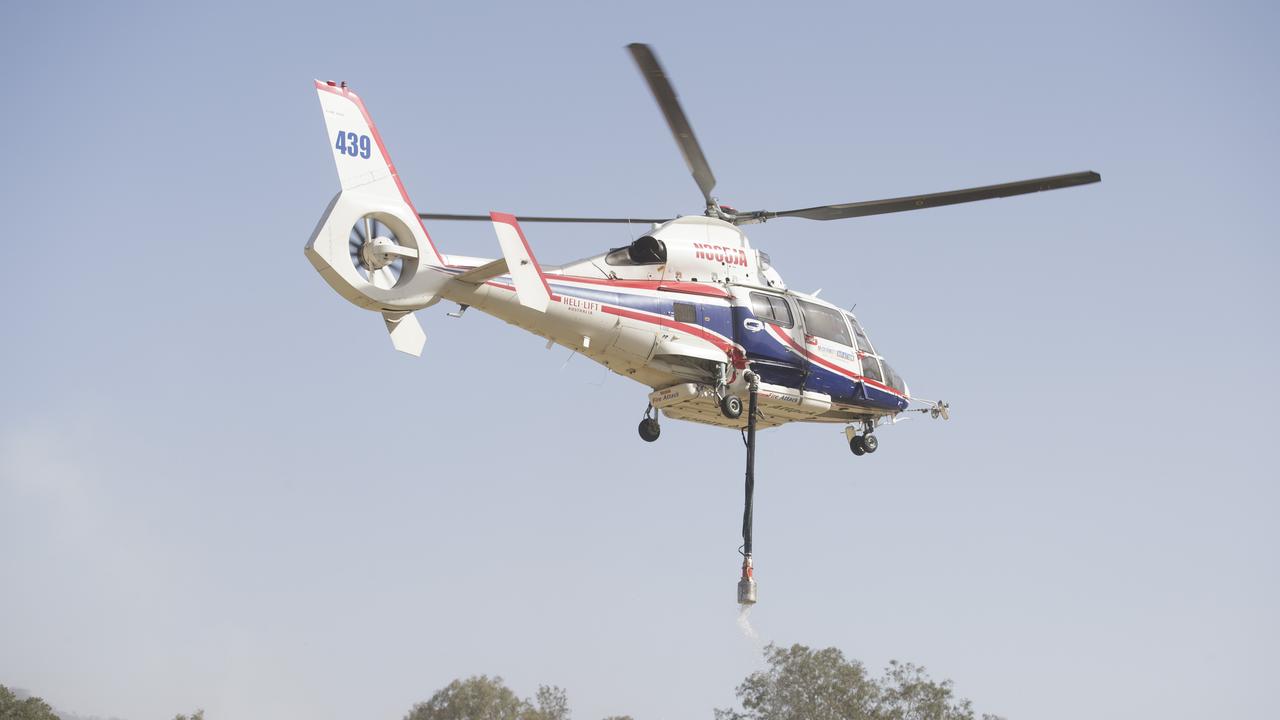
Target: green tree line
<point>798,683</point>
<point>30,708</point>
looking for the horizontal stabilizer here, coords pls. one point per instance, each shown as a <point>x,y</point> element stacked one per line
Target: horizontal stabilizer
<point>406,333</point>
<point>488,271</point>
<point>531,286</point>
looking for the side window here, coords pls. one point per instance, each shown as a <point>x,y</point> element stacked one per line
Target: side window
<point>761,307</point>
<point>825,323</point>
<point>871,368</point>
<point>772,309</point>
<point>686,313</point>
<point>781,311</point>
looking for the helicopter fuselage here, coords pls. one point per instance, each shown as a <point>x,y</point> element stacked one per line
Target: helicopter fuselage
<point>685,310</point>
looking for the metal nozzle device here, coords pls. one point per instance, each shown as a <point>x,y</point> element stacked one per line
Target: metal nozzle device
<point>747,585</point>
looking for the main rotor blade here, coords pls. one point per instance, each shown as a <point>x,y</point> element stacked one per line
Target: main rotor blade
<point>920,202</point>
<point>665,94</point>
<point>545,219</point>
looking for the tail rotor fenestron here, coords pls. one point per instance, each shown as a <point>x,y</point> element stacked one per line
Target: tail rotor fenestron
<point>377,253</point>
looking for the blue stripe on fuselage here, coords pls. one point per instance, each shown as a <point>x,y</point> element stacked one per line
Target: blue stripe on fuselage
<point>761,345</point>
<point>728,322</point>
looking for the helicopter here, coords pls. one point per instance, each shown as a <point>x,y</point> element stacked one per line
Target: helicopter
<point>688,308</point>
<point>685,309</point>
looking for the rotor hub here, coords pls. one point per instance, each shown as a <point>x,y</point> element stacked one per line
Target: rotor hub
<point>375,255</point>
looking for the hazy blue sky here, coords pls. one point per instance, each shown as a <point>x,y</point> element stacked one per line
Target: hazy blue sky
<point>220,487</point>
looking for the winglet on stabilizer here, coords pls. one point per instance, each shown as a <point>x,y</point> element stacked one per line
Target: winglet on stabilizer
<point>531,285</point>
<point>406,332</point>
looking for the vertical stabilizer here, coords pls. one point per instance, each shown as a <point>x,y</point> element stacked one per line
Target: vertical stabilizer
<point>531,285</point>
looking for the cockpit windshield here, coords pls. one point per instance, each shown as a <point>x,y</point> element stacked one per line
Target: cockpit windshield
<point>894,380</point>
<point>873,367</point>
<point>864,343</point>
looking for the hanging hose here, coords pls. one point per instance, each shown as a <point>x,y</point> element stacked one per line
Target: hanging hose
<point>751,474</point>
<point>747,583</point>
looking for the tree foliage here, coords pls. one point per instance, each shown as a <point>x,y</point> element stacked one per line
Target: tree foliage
<point>30,708</point>
<point>907,693</point>
<point>481,697</point>
<point>551,703</point>
<point>805,684</point>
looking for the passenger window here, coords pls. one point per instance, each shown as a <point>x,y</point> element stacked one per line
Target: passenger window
<point>871,368</point>
<point>825,323</point>
<point>686,313</point>
<point>781,311</point>
<point>771,309</point>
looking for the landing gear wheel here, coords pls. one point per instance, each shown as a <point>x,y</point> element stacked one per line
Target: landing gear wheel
<point>649,430</point>
<point>855,444</point>
<point>870,443</point>
<point>731,406</point>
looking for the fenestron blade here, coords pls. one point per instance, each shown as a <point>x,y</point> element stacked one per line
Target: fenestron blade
<point>400,251</point>
<point>920,202</point>
<point>665,94</point>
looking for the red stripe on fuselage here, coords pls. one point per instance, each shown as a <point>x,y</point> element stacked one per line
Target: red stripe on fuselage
<point>693,330</point>
<point>698,332</point>
<point>686,288</point>
<point>678,287</point>
<point>830,365</point>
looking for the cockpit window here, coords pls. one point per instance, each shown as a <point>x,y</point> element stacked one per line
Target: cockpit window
<point>871,368</point>
<point>645,250</point>
<point>894,380</point>
<point>771,309</point>
<point>825,323</point>
<point>864,343</point>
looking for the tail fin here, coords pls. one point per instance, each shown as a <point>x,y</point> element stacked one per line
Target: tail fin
<point>370,246</point>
